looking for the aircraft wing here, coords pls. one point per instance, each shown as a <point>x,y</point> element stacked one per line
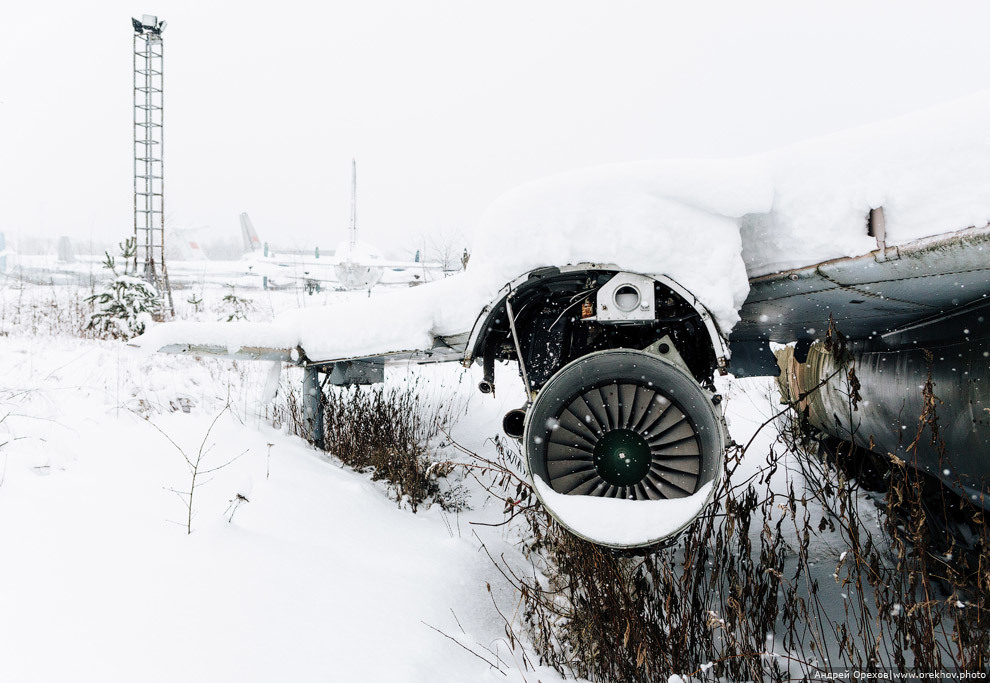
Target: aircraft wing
<point>444,349</point>
<point>868,295</point>
<point>290,262</point>
<point>419,324</point>
<point>405,264</point>
<point>330,261</point>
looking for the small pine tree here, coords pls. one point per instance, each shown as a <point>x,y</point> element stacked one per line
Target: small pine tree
<point>196,302</point>
<point>126,303</point>
<point>233,307</point>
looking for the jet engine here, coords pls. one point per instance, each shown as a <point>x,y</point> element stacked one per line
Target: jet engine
<point>623,432</point>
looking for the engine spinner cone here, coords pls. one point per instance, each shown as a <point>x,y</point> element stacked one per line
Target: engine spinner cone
<point>622,457</point>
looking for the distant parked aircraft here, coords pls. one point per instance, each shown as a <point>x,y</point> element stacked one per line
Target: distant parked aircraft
<point>356,265</point>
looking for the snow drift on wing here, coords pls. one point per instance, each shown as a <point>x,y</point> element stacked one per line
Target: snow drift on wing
<point>930,171</point>
<point>674,218</point>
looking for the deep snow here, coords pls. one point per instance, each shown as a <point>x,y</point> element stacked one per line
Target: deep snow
<point>318,577</point>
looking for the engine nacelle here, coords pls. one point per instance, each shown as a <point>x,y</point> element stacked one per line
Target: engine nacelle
<point>623,433</point>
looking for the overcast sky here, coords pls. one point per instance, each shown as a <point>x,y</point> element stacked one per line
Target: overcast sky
<point>445,105</point>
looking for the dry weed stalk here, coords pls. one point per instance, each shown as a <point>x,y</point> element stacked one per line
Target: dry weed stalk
<point>195,466</point>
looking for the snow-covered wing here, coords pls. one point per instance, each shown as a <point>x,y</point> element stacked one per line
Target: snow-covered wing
<point>794,222</point>
<point>929,171</point>
<point>427,323</point>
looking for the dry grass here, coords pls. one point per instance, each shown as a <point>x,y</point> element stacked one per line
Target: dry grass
<point>37,311</point>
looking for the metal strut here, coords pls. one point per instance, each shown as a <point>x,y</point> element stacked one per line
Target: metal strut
<point>519,355</point>
<point>313,405</point>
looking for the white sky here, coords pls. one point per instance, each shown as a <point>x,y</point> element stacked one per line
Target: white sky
<point>445,105</point>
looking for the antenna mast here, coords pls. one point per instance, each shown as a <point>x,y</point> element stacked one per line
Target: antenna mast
<point>149,183</point>
<point>353,228</point>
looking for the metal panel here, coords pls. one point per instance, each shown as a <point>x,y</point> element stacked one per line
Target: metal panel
<point>892,372</point>
<point>368,371</point>
<point>242,353</point>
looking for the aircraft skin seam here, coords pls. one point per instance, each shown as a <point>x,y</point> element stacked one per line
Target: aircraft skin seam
<point>853,287</point>
<point>867,293</point>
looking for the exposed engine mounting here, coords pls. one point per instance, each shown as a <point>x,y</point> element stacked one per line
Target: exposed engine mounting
<point>561,314</point>
<point>627,297</point>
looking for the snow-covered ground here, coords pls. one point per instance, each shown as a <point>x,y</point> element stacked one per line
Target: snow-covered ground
<point>318,576</point>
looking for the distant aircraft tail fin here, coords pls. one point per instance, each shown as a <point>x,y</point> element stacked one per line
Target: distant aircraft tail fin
<point>196,252</point>
<point>251,241</point>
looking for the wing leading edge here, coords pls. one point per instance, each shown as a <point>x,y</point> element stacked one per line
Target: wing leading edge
<point>872,294</point>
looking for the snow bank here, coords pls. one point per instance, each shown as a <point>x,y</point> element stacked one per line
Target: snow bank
<point>706,224</point>
<point>406,320</point>
<point>232,336</point>
<point>620,522</point>
<point>317,577</point>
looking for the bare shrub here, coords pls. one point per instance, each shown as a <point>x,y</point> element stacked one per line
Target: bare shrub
<point>709,597</point>
<point>395,433</point>
<point>389,432</point>
<point>446,247</point>
<point>287,413</point>
<point>924,568</point>
<point>195,465</point>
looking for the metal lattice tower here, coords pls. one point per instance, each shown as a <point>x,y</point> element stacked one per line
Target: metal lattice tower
<point>149,183</point>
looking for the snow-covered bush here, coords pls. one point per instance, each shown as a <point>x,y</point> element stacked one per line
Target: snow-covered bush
<point>126,303</point>
<point>385,430</point>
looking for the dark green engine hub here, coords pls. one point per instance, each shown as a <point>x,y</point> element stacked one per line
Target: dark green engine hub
<point>622,457</point>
